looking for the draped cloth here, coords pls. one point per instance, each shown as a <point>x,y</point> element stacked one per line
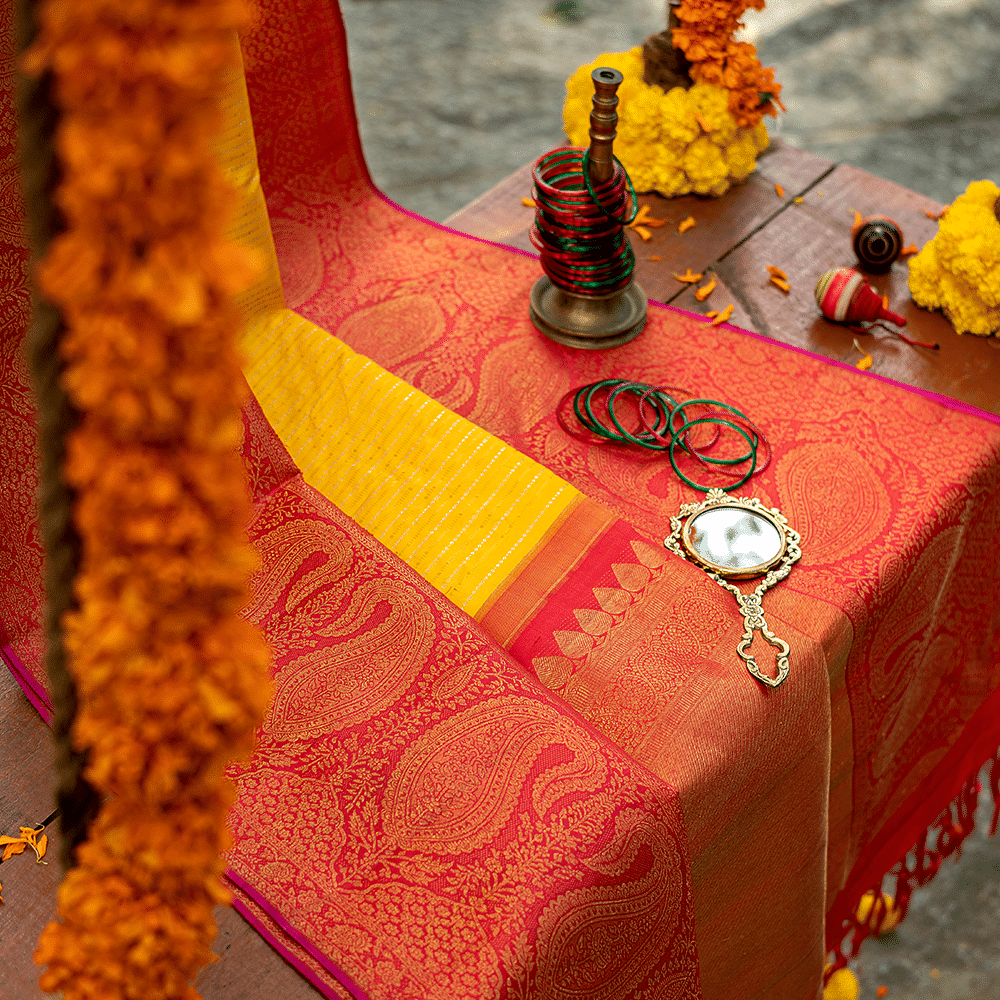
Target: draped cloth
<point>444,825</point>
<point>892,701</point>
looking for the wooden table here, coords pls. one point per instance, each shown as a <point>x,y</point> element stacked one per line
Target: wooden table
<point>736,236</point>
<point>739,234</point>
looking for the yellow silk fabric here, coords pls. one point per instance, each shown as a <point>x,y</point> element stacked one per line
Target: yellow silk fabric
<point>451,500</point>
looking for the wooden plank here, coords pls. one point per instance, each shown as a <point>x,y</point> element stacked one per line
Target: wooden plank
<point>248,967</point>
<point>26,754</point>
<point>805,240</point>
<point>722,223</point>
<point>498,215</point>
<point>29,892</point>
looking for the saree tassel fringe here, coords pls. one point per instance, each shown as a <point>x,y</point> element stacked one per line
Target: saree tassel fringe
<point>947,834</point>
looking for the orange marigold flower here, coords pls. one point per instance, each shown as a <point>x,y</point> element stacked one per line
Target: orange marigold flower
<point>171,680</point>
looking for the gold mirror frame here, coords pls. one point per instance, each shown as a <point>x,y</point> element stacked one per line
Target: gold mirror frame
<point>773,570</point>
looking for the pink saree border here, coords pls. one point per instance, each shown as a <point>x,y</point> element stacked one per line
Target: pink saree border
<point>33,691</point>
<point>297,936</point>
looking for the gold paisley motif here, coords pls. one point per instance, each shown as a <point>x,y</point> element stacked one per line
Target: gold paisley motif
<point>597,944</point>
<point>352,681</point>
<point>301,259</point>
<point>833,498</point>
<point>458,785</point>
<point>299,558</point>
<point>394,330</point>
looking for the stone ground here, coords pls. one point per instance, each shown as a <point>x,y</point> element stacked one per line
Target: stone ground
<point>453,95</point>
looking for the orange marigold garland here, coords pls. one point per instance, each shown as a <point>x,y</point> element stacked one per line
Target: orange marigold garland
<point>171,681</point>
<point>705,36</point>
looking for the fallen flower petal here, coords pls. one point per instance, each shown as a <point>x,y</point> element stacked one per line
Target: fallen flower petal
<point>881,991</point>
<point>640,217</point>
<point>779,283</point>
<point>712,313</point>
<point>688,223</point>
<point>909,251</point>
<point>723,316</point>
<point>528,202</point>
<point>776,272</point>
<point>779,190</point>
<point>644,233</point>
<point>705,290</point>
<point>17,847</point>
<point>857,219</point>
<point>653,223</point>
<point>688,277</point>
<point>866,361</point>
<point>652,258</point>
<point>799,200</point>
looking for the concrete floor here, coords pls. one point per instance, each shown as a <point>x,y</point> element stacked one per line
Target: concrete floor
<point>453,95</point>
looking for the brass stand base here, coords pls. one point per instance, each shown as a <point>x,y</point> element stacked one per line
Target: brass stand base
<point>592,322</point>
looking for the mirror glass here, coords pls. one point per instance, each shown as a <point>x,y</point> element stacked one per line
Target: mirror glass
<point>734,538</point>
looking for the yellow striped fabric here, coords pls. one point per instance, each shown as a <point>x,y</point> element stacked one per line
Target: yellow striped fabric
<point>451,500</point>
<point>454,502</point>
<point>251,227</point>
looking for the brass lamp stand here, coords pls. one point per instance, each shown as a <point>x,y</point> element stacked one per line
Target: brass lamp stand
<point>593,322</point>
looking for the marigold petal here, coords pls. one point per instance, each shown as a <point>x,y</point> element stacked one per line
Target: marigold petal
<point>723,316</point>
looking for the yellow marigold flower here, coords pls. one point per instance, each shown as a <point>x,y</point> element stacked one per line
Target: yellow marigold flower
<point>675,143</point>
<point>959,270</point>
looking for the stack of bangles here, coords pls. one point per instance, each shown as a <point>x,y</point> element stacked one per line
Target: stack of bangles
<point>664,425</point>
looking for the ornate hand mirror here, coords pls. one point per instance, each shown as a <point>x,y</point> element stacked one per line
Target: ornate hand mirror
<point>737,538</point>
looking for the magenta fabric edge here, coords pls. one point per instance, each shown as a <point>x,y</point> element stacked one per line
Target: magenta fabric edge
<point>31,688</point>
<point>935,397</point>
<point>448,229</point>
<point>342,977</point>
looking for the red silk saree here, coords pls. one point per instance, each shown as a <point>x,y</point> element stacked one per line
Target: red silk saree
<point>660,825</point>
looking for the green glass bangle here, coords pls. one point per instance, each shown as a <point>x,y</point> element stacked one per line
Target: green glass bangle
<point>590,190</point>
<point>591,423</point>
<point>650,441</point>
<point>707,419</point>
<point>675,440</point>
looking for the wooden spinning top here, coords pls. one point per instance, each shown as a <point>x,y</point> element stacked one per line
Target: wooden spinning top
<point>592,321</point>
<point>878,241</point>
<point>843,296</point>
